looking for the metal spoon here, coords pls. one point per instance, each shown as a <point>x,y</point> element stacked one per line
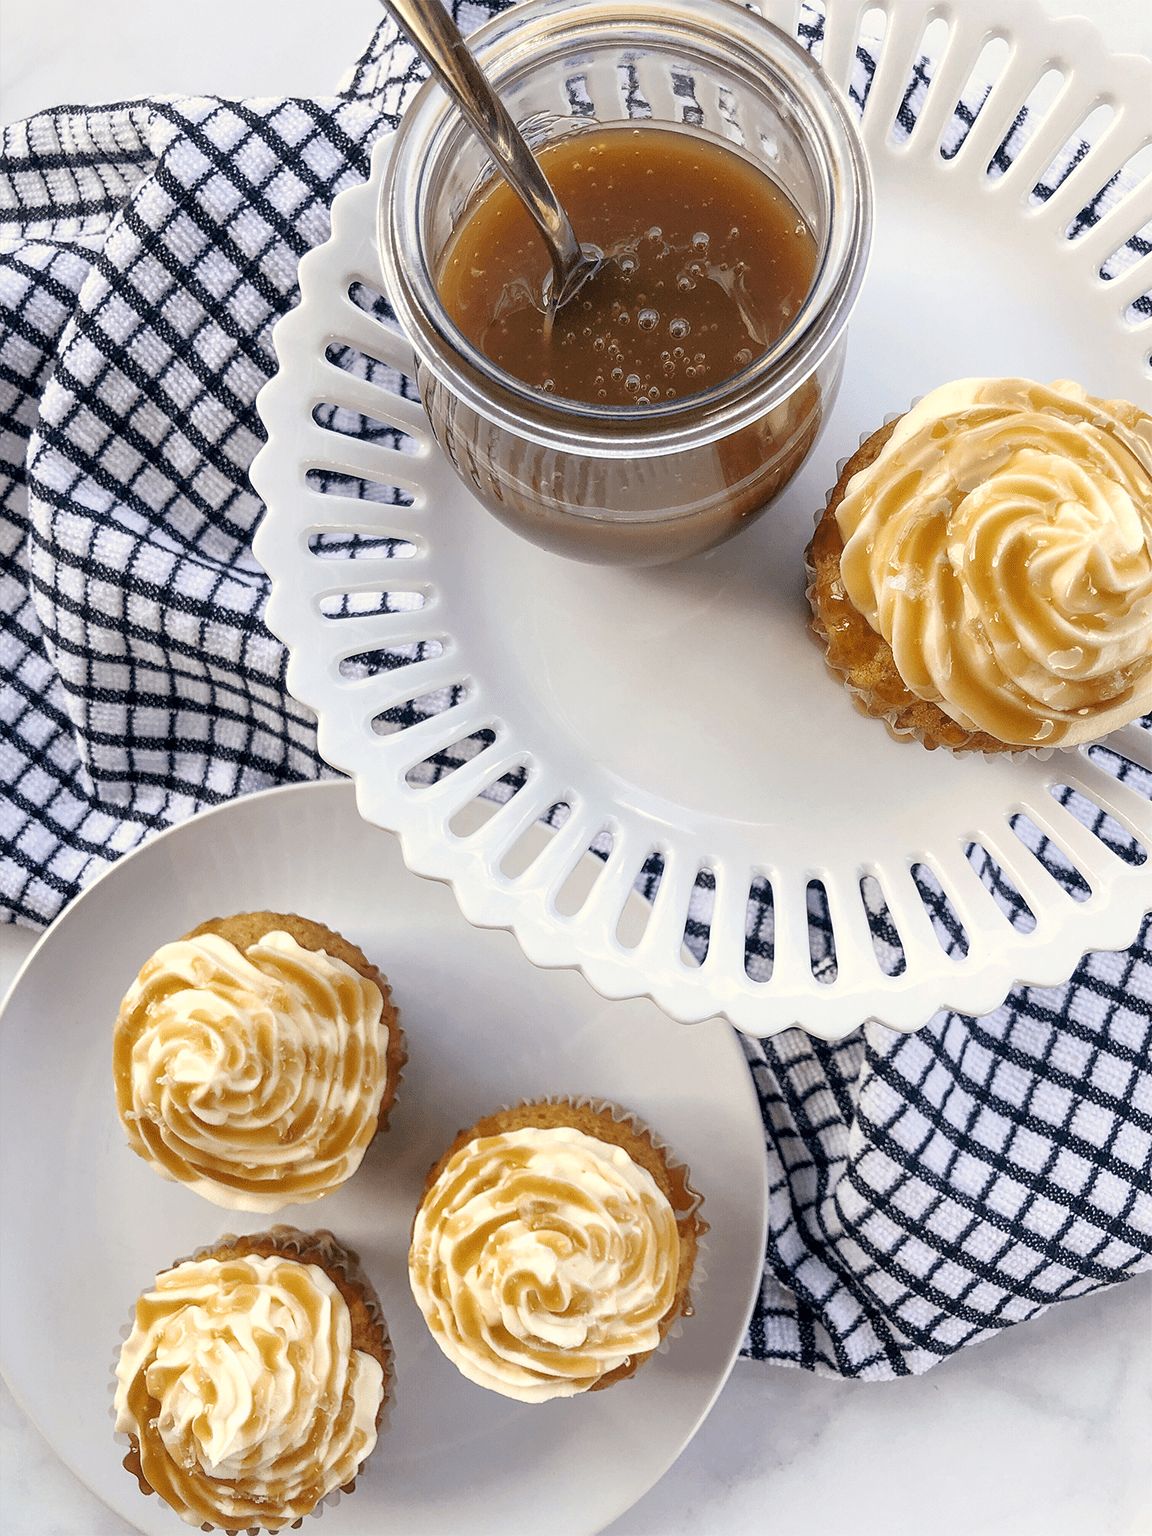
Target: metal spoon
<point>437,38</point>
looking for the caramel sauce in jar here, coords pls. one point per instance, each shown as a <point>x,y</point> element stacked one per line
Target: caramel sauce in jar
<point>706,263</point>
<point>725,182</point>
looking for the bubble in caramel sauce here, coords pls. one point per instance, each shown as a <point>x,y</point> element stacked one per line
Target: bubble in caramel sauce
<point>699,246</point>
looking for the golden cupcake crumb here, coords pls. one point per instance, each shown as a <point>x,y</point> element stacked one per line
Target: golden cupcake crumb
<point>854,653</point>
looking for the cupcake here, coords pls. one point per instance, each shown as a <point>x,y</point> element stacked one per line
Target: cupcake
<point>255,1059</point>
<point>253,1380</point>
<point>981,577</point>
<point>553,1249</point>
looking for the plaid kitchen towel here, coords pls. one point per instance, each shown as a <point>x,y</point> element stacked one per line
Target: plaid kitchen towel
<point>926,1190</point>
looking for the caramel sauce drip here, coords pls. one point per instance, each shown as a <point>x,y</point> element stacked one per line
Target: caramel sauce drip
<point>224,1443</point>
<point>256,1078</point>
<point>543,1260</point>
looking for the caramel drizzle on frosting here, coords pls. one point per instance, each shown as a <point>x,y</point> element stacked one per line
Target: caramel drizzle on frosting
<point>256,1077</point>
<point>543,1260</point>
<point>1001,543</point>
<point>241,1387</point>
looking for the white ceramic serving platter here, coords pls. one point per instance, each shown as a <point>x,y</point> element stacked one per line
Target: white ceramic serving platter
<point>86,1223</point>
<point>686,710</point>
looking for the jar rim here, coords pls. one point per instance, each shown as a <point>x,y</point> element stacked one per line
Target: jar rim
<point>523,35</point>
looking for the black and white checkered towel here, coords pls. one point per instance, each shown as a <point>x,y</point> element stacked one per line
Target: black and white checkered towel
<point>927,1190</point>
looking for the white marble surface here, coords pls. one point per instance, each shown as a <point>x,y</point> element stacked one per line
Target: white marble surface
<point>1043,1432</point>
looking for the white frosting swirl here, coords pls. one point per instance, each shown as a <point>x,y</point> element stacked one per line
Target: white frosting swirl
<point>241,1387</point>
<point>542,1260</point>
<point>255,1078</point>
<point>1001,543</point>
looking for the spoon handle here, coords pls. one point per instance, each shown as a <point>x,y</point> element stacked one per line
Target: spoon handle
<point>436,36</point>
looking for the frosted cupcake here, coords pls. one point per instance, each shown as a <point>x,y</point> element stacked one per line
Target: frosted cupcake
<point>255,1059</point>
<point>253,1381</point>
<point>554,1249</point>
<point>982,573</point>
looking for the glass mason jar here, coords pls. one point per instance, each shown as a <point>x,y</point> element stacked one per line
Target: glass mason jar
<point>638,484</point>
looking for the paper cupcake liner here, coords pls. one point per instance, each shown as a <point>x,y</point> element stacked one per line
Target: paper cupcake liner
<point>672,1325</point>
<point>862,699</point>
<point>292,1242</point>
<point>397,1057</point>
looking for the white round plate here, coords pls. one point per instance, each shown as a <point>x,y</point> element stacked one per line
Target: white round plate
<point>86,1223</point>
<point>685,710</point>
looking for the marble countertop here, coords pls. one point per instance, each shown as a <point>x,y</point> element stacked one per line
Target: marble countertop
<point>1042,1432</point>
